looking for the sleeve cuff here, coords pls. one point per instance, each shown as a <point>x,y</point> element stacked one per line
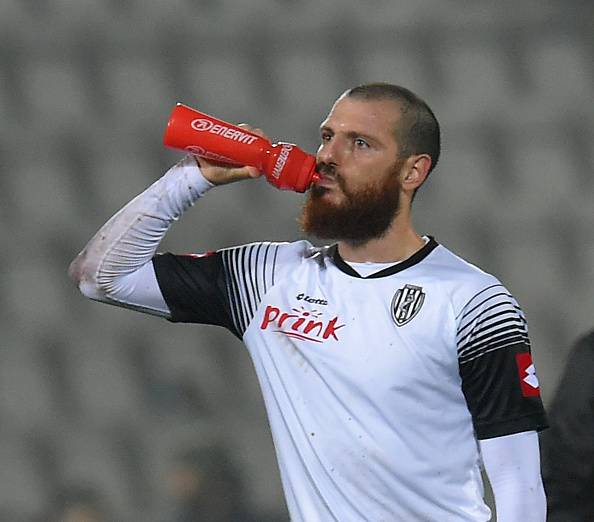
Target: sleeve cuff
<point>192,171</point>
<point>535,421</point>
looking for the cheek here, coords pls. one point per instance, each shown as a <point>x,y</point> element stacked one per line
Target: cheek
<point>356,180</point>
<point>368,172</point>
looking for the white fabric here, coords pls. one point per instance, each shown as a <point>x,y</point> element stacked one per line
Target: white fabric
<point>367,268</point>
<point>512,463</point>
<point>115,266</point>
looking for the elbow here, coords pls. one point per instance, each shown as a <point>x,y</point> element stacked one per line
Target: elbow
<point>75,270</point>
<point>84,277</point>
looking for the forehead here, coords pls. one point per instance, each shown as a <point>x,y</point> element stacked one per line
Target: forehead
<point>355,114</point>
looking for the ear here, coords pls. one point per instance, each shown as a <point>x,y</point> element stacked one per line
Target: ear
<point>415,172</point>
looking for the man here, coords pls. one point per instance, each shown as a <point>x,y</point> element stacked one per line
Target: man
<point>382,358</point>
<point>568,446</point>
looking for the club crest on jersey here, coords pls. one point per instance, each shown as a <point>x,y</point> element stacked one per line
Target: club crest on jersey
<point>406,304</point>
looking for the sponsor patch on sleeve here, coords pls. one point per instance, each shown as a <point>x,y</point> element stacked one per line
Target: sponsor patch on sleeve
<point>527,373</point>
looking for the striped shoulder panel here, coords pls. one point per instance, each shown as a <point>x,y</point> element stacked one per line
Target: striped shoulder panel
<point>249,271</point>
<point>491,320</point>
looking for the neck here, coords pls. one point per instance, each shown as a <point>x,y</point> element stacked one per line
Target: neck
<point>399,242</point>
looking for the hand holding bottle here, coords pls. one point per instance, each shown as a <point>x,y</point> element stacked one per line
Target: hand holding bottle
<point>285,166</point>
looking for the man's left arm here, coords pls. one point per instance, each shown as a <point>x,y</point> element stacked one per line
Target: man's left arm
<point>502,392</point>
<point>512,463</point>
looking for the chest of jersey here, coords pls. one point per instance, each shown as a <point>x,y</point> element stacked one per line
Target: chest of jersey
<point>361,381</point>
<point>389,333</point>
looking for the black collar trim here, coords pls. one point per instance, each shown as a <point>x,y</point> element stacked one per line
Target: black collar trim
<point>417,257</point>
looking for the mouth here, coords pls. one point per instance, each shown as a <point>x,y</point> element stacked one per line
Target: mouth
<point>328,179</point>
<point>326,182</point>
<point>326,189</point>
<point>327,175</point>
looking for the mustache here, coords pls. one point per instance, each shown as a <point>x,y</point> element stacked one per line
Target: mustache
<point>326,169</point>
<point>330,171</point>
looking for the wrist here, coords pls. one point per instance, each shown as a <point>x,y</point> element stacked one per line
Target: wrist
<point>190,168</point>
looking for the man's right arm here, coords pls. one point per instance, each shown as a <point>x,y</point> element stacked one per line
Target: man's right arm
<point>115,266</point>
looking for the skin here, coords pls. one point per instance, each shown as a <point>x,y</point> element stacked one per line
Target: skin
<point>358,141</point>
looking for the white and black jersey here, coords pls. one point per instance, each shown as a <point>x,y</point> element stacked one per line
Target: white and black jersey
<point>378,387</point>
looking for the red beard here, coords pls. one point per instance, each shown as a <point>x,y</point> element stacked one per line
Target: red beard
<point>364,214</point>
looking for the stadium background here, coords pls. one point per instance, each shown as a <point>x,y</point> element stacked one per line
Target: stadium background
<point>105,397</point>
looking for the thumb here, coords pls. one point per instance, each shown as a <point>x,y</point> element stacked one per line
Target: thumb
<point>252,172</point>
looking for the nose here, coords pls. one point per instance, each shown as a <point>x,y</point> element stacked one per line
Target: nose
<point>327,153</point>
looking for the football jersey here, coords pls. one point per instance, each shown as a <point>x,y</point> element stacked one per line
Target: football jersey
<point>377,388</point>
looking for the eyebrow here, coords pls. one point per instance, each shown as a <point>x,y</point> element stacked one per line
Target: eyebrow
<point>351,134</point>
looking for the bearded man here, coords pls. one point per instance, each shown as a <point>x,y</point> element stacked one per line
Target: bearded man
<point>391,369</point>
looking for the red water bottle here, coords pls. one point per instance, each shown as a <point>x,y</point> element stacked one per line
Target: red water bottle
<point>285,165</point>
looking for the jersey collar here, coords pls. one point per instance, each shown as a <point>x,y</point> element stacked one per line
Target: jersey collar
<point>417,257</point>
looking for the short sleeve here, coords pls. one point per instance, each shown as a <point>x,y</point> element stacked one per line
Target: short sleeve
<point>225,287</point>
<point>499,380</point>
<point>194,288</point>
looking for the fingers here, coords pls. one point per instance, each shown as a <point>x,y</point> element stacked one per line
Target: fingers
<point>232,174</point>
<point>220,174</point>
<point>252,172</point>
<point>254,130</point>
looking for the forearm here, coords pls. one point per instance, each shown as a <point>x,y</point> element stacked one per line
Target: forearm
<point>512,463</point>
<point>129,240</point>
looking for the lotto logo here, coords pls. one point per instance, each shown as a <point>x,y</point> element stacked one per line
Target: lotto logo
<point>527,373</point>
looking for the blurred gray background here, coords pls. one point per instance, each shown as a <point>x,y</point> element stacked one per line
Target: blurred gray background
<point>105,397</point>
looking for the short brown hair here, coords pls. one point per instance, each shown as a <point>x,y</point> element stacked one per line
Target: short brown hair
<point>418,130</point>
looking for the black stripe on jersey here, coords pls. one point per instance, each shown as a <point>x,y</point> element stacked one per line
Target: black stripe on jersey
<point>252,257</point>
<point>263,271</point>
<point>234,269</point>
<point>483,328</point>
<point>505,341</point>
<point>497,328</point>
<point>249,277</point>
<point>483,337</point>
<point>244,261</point>
<point>238,274</point>
<point>257,291</point>
<point>497,305</point>
<point>224,288</point>
<point>464,313</point>
<point>232,291</point>
<point>274,263</point>
<point>491,320</point>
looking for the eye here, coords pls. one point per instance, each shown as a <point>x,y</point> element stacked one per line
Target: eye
<point>360,143</point>
<point>326,136</point>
